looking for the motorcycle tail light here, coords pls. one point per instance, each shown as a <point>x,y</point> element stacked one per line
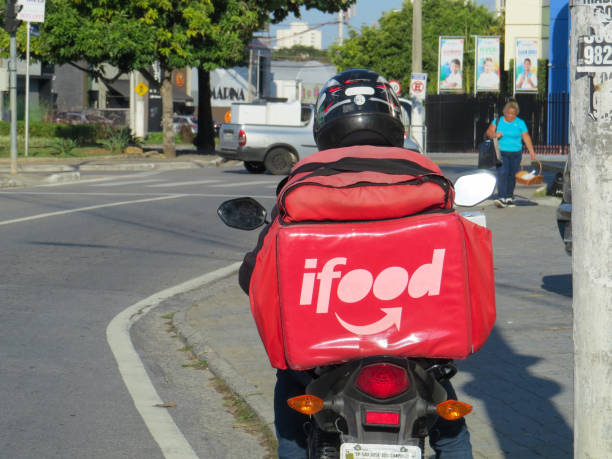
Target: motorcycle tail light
<point>452,410</point>
<point>383,380</point>
<point>306,404</point>
<point>382,418</point>
<point>241,138</point>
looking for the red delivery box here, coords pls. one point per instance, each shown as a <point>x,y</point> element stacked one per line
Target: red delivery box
<point>417,286</point>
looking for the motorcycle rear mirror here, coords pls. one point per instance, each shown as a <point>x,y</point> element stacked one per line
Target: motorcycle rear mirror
<point>242,213</point>
<point>474,188</point>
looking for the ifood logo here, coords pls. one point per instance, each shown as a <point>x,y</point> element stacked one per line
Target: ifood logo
<point>353,286</point>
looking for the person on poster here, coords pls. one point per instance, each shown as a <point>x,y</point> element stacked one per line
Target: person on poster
<point>453,80</point>
<point>526,80</point>
<point>489,79</point>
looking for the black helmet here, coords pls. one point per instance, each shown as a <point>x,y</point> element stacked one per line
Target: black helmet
<point>357,107</point>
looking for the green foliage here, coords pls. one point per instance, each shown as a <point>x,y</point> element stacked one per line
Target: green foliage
<point>62,147</point>
<point>83,134</point>
<point>134,34</point>
<point>301,53</point>
<point>542,76</point>
<point>118,140</point>
<point>510,76</point>
<point>387,47</point>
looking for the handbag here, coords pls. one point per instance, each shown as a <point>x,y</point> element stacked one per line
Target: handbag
<point>486,154</point>
<point>489,154</point>
<point>530,178</point>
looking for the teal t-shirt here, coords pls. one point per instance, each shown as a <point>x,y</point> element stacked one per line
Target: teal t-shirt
<point>511,140</point>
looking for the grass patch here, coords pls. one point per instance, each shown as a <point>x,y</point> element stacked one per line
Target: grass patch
<point>157,138</point>
<point>198,365</point>
<point>245,417</point>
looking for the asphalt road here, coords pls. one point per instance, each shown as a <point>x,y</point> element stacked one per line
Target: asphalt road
<point>75,256</point>
<point>72,258</point>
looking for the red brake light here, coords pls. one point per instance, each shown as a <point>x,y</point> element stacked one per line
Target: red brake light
<point>383,380</point>
<point>382,418</point>
<point>241,138</point>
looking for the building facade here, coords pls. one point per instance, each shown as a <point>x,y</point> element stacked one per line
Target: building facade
<point>298,33</point>
<point>527,19</point>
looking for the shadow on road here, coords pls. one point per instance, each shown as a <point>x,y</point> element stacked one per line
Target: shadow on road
<point>518,403</point>
<point>560,283</point>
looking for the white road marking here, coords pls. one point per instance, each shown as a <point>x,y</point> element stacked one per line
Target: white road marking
<point>186,195</point>
<point>83,209</point>
<point>173,184</point>
<point>128,182</point>
<point>166,433</point>
<point>237,184</point>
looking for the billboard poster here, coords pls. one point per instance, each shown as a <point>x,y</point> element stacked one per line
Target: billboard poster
<point>487,64</point>
<point>526,65</point>
<point>450,64</point>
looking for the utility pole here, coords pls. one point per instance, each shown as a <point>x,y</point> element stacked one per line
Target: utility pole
<point>11,24</point>
<point>418,107</point>
<point>417,36</point>
<point>591,172</point>
<point>340,27</point>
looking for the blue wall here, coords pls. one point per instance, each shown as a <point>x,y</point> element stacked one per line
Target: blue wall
<point>558,72</point>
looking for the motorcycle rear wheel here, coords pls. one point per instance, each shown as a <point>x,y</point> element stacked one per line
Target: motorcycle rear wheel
<point>323,445</point>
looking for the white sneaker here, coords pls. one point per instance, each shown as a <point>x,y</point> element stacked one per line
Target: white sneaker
<point>510,202</point>
<point>501,203</point>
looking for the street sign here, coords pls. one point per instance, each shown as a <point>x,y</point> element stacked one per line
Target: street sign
<point>396,86</point>
<point>418,85</point>
<point>141,89</point>
<point>31,10</point>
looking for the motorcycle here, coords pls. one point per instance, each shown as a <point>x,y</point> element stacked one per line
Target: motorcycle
<point>378,406</point>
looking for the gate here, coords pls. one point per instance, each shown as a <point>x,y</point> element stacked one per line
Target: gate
<point>457,122</point>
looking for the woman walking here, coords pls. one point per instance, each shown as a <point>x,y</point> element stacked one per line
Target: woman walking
<point>511,132</point>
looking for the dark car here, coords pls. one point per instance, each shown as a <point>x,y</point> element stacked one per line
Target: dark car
<point>564,211</point>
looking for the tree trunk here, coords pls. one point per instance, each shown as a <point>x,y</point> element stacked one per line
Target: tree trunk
<point>205,140</point>
<point>167,114</point>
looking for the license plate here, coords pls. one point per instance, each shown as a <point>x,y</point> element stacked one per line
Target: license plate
<point>371,451</point>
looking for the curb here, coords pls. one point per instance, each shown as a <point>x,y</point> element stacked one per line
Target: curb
<point>30,174</point>
<point>222,368</point>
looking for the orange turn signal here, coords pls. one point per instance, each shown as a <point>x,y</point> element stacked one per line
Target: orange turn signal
<point>306,404</point>
<point>452,410</point>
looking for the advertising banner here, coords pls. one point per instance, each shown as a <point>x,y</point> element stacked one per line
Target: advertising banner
<point>487,64</point>
<point>526,65</point>
<point>450,64</point>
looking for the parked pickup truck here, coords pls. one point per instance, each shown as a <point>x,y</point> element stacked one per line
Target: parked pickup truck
<point>276,148</point>
<point>272,147</point>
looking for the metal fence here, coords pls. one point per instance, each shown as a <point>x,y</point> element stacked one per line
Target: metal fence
<point>457,122</point>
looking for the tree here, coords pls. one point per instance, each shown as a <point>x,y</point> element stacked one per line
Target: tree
<point>134,34</point>
<point>219,56</point>
<point>387,47</point>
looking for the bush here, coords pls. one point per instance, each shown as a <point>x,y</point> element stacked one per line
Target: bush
<point>62,147</point>
<point>82,134</point>
<point>118,140</point>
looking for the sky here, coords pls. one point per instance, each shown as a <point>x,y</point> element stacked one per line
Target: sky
<point>366,12</point>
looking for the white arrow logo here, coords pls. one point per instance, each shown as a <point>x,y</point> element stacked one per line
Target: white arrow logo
<point>393,316</point>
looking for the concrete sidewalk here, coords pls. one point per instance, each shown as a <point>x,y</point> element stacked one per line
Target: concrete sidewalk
<point>520,383</point>
<point>34,171</point>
